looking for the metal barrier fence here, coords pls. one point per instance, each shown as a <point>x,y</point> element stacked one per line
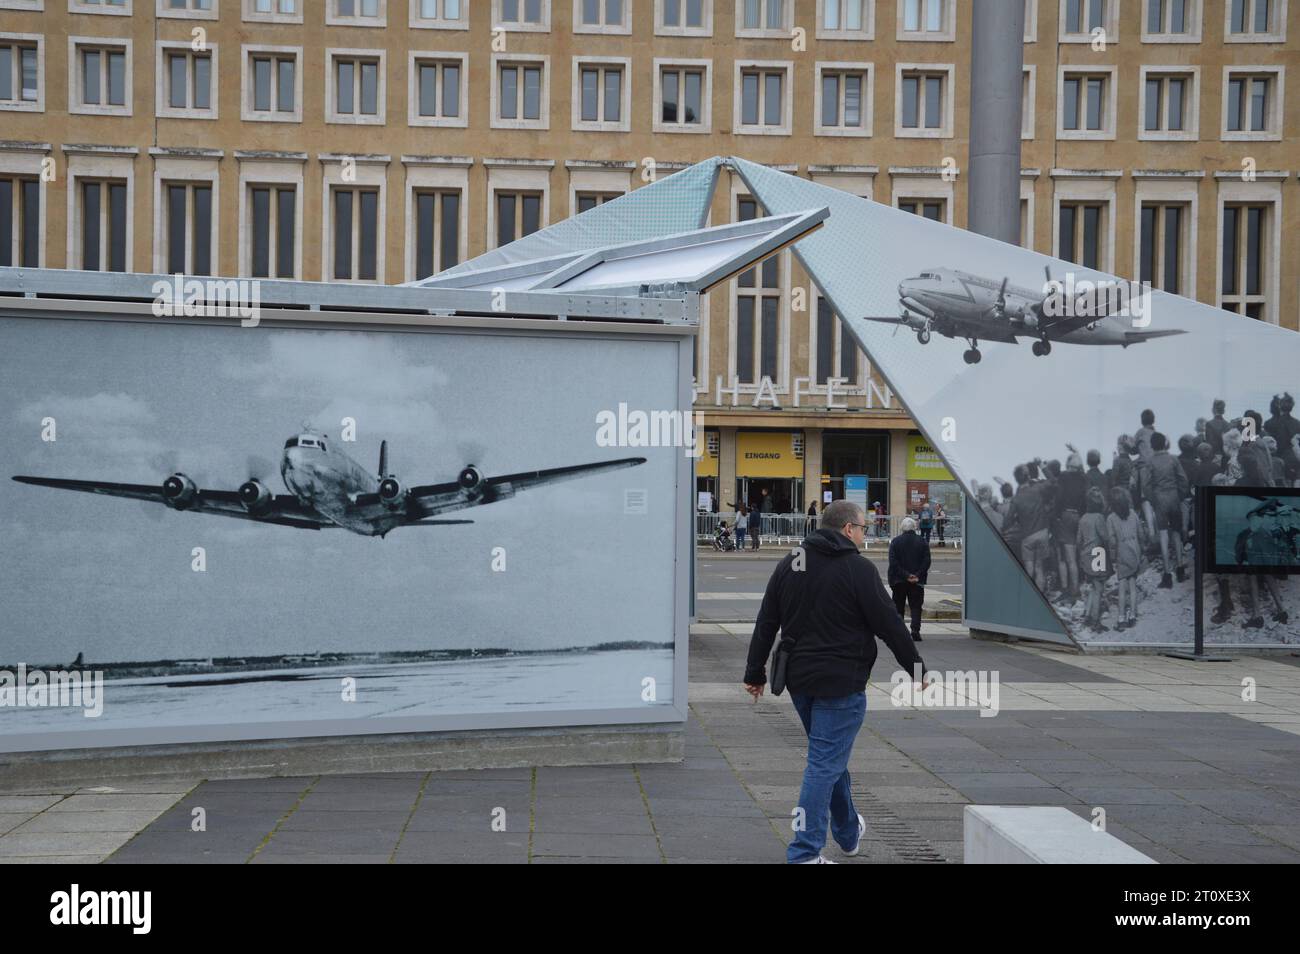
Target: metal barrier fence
<point>790,528</point>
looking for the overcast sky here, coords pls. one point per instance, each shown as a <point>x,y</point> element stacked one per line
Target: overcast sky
<point>112,577</point>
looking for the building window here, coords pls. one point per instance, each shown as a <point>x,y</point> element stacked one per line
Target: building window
<point>532,15</point>
<point>355,236</point>
<point>1244,256</point>
<point>586,201</point>
<point>843,100</point>
<point>271,85</point>
<point>601,98</point>
<point>763,18</point>
<point>437,94</point>
<point>186,82</point>
<point>1168,103</point>
<point>1255,21</point>
<point>117,7</point>
<point>934,209</point>
<point>1087,104</point>
<point>928,20</point>
<point>1171,21</point>
<point>762,104</point>
<point>682,97</point>
<point>1081,234</point>
<point>21,67</point>
<point>845,19</point>
<point>356,87</point>
<point>837,352</point>
<point>1027,101</point>
<point>684,17</point>
<point>102,77</point>
<point>1031,21</point>
<point>189,9</point>
<point>273,230</point>
<point>103,217</point>
<point>521,94</point>
<point>758,309</point>
<point>1026,224</point>
<point>517,214</point>
<point>602,16</point>
<point>187,227</point>
<point>923,107</point>
<point>439,14</point>
<point>356,12</point>
<point>437,230</point>
<point>1082,17</point>
<point>20,221</point>
<point>274,11</point>
<point>1252,107</point>
<point>1160,241</point>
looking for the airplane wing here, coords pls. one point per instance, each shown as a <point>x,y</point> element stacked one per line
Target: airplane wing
<point>282,509</point>
<point>431,500</point>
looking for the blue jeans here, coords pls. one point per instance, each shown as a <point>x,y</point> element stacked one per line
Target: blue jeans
<point>832,724</point>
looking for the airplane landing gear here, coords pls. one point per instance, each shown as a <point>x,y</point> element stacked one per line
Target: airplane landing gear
<point>923,336</point>
<point>972,355</point>
<point>1042,347</point>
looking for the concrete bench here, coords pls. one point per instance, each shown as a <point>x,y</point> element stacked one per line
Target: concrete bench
<point>1037,835</point>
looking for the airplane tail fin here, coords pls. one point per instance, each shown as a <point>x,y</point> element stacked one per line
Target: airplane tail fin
<point>1133,337</point>
<point>383,459</point>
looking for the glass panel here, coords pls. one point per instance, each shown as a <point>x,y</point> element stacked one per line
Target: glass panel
<point>933,101</point>
<point>746,209</point>
<point>370,88</point>
<point>1176,87</point>
<point>933,211</point>
<point>1074,16</point>
<point>532,214</point>
<point>911,100</point>
<point>533,11</point>
<point>90,76</point>
<point>262,85</point>
<point>1261,16</point>
<point>586,203</point>
<point>772,98</point>
<point>749,99</point>
<point>830,98</point>
<point>510,10</point>
<point>368,246</point>
<point>1094,103</point>
<point>450,89</point>
<point>591,12</point>
<point>672,13</point>
<point>613,95</point>
<point>1254,241</point>
<point>449,254</point>
<point>1234,103</point>
<point>6,222</point>
<point>848,354</point>
<point>1147,242</point>
<point>1152,109</point>
<point>285,91</point>
<point>346,8</point>
<point>427,79</point>
<point>668,93</point>
<point>693,86</point>
<point>695,13</point>
<point>90,212</point>
<point>117,79</point>
<point>1259,105</point>
<point>1155,18</point>
<point>768,357</point>
<point>934,15</point>
<point>532,93</point>
<point>509,92</point>
<point>342,233</point>
<point>284,228</point>
<point>29,80</point>
<point>344,90</point>
<point>505,218</point>
<point>751,15</point>
<point>177,76</point>
<point>825,339</point>
<point>1091,236</point>
<point>1228,280</point>
<point>1096,14</point>
<point>590,95</point>
<point>117,227</point>
<point>853,18</point>
<point>1070,103</point>
<point>424,206</point>
<point>1178,16</point>
<point>1065,248</point>
<point>613,12</point>
<point>202,82</point>
<point>912,16</point>
<point>176,229</point>
<point>775,14</point>
<point>31,212</point>
<point>745,339</point>
<point>6,78</point>
<point>831,15</point>
<point>202,239</point>
<point>261,263</point>
<point>1172,237</point>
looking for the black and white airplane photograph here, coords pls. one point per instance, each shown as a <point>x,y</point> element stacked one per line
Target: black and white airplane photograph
<point>157,534</point>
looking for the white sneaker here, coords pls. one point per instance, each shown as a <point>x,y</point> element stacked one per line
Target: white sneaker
<point>862,830</point>
<point>819,860</point>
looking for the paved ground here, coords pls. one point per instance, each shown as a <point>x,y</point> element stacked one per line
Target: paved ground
<point>731,584</point>
<point>1185,770</point>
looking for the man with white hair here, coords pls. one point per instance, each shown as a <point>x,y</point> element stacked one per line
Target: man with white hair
<point>830,605</point>
<point>909,565</point>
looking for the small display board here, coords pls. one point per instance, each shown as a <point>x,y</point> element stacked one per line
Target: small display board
<point>1252,530</point>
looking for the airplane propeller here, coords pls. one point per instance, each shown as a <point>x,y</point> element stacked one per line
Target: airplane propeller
<point>165,464</point>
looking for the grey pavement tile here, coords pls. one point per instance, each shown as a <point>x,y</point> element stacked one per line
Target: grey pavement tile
<point>731,808</point>
<point>277,784</point>
<point>738,828</point>
<point>620,788</point>
<point>11,820</point>
<point>51,860</point>
<point>404,857</point>
<point>307,820</point>
<point>723,861</point>
<point>359,842</point>
<point>748,849</point>
<point>359,801</point>
<point>596,845</point>
<point>980,780</point>
<point>347,784</point>
<point>27,803</point>
<point>1105,795</point>
<point>475,775</point>
<point>152,841</point>
<point>584,860</point>
<point>465,843</point>
<point>1288,835</point>
<point>478,787</point>
<point>1252,807</point>
<point>72,822</point>
<point>218,819</point>
<point>474,822</point>
<point>1211,853</point>
<point>1020,796</point>
<point>197,857</point>
<point>60,843</point>
<point>106,803</point>
<point>270,857</point>
<point>551,822</point>
<point>144,786</point>
<point>573,804</point>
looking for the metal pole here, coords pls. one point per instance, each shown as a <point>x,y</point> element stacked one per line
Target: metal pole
<point>993,169</point>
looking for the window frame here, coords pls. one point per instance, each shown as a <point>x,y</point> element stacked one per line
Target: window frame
<point>103,8</point>
<point>868,98</point>
<point>705,29</point>
<point>623,29</point>
<point>705,125</point>
<point>371,175</point>
<point>868,31</point>
<point>948,33</point>
<point>624,122</point>
<point>247,54</point>
<point>1109,102</point>
<point>520,26</point>
<point>75,47</point>
<point>20,41</point>
<point>97,165</point>
<point>945,129</point>
<point>1110,24</point>
<point>1277,112</point>
<point>781,293</point>
<point>1277,35</point>
<point>544,100</point>
<point>28,165</point>
<point>1191,104</point>
<point>162,99</point>
<point>1194,11</point>
<point>165,11</point>
<point>434,175</point>
<point>1269,193</point>
<point>418,22</point>
<point>250,14</point>
<point>785,127</point>
<point>176,170</point>
<point>356,20</point>
<point>332,115</point>
<point>1163,193</point>
<point>272,174</point>
<point>1090,190</point>
<point>416,58</point>
<point>783,33</point>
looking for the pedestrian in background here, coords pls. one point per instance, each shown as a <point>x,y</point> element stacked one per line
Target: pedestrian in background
<point>925,522</point>
<point>829,612</point>
<point>909,565</point>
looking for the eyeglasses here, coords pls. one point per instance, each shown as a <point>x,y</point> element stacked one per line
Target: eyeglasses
<point>860,526</point>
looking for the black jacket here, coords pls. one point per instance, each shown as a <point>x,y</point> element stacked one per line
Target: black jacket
<point>833,610</point>
<point>908,554</point>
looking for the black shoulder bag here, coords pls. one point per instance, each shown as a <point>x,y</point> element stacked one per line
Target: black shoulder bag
<point>785,646</point>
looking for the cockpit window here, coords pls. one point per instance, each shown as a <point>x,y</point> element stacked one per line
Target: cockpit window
<point>291,442</point>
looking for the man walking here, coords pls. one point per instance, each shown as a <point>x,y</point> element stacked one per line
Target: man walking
<point>909,565</point>
<point>828,601</point>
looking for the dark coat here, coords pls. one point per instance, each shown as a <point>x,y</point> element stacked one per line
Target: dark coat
<point>908,555</point>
